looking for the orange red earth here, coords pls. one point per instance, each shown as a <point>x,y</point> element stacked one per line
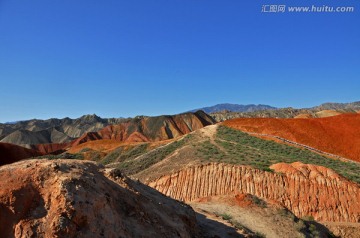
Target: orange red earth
<point>338,135</point>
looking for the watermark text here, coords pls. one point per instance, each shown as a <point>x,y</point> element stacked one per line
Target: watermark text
<point>306,9</point>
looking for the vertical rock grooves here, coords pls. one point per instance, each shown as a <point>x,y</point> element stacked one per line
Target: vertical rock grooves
<point>306,190</point>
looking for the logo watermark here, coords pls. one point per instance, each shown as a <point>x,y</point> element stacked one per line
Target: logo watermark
<point>306,9</point>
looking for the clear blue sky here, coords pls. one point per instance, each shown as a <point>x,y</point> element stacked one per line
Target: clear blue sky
<point>129,57</point>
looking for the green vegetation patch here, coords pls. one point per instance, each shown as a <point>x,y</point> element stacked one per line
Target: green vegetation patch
<point>236,147</point>
<point>120,154</point>
<point>62,156</point>
<point>133,166</point>
<point>224,216</point>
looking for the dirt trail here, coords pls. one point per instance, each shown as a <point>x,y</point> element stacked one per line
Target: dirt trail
<point>209,132</point>
<point>214,226</point>
<point>271,221</point>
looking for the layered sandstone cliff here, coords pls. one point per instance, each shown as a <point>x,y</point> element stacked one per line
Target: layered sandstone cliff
<point>306,190</point>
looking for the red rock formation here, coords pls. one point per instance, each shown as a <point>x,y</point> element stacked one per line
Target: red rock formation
<point>10,153</point>
<point>150,128</point>
<point>89,136</point>
<point>338,135</point>
<point>69,198</point>
<point>303,189</point>
<point>53,148</point>
<point>115,132</point>
<point>121,132</point>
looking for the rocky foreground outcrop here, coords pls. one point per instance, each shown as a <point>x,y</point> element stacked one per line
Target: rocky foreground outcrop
<point>306,190</point>
<point>69,198</point>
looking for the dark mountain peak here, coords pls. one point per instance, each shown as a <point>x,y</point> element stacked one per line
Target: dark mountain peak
<point>235,108</point>
<point>91,118</point>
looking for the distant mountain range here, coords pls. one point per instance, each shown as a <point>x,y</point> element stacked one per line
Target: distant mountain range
<point>228,107</point>
<point>249,108</point>
<point>11,122</point>
<point>53,130</point>
<point>66,130</point>
<point>338,106</point>
<point>57,134</point>
<point>323,110</point>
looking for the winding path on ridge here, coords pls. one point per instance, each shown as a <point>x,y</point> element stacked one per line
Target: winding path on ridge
<point>210,132</point>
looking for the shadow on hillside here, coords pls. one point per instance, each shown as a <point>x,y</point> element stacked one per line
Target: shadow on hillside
<point>212,228</point>
<point>315,229</point>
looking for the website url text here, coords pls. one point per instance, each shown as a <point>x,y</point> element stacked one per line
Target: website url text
<point>309,9</point>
